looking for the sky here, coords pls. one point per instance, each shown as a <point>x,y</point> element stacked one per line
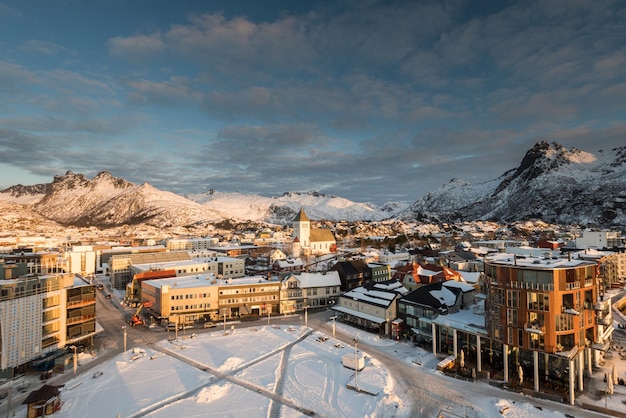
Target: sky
<point>373,101</point>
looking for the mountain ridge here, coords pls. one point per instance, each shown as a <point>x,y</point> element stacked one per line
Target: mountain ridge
<point>552,183</point>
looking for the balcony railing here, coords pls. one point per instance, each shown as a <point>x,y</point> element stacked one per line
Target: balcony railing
<point>535,328</point>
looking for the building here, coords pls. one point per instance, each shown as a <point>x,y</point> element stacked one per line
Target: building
<point>600,240</point>
<point>353,273</point>
<point>381,272</point>
<point>42,262</point>
<point>546,314</point>
<point>373,307</point>
<point>190,244</point>
<point>249,296</point>
<point>218,266</point>
<point>308,290</point>
<point>187,299</point>
<point>40,314</point>
<point>415,274</point>
<point>311,241</point>
<point>81,260</point>
<point>119,264</point>
<point>422,305</point>
<point>289,265</point>
<point>612,265</point>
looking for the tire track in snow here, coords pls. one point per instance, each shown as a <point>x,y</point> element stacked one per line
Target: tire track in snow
<point>274,410</point>
<point>229,377</point>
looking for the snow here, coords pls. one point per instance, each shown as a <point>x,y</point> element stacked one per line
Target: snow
<point>286,371</point>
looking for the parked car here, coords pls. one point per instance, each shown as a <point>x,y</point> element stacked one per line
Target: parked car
<point>108,296</point>
<point>210,324</point>
<point>100,286</point>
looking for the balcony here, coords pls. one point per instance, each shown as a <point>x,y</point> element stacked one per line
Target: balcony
<point>569,310</point>
<point>535,328</point>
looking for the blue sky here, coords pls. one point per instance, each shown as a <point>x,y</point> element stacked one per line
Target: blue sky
<point>372,101</point>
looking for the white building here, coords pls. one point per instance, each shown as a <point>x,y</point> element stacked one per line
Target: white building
<point>311,241</point>
<point>600,239</point>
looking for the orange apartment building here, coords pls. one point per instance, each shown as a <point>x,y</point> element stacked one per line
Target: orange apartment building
<point>549,316</point>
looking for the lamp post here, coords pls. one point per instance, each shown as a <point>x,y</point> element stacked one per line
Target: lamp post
<point>334,318</point>
<point>356,365</point>
<point>306,315</point>
<point>124,328</point>
<point>73,347</point>
<point>269,311</point>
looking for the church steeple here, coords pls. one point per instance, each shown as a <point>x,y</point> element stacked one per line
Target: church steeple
<point>302,230</point>
<point>301,217</point>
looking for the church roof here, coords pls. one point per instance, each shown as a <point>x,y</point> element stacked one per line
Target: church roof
<point>301,217</point>
<point>322,235</point>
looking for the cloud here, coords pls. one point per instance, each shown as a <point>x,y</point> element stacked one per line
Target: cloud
<point>47,48</point>
<point>136,47</point>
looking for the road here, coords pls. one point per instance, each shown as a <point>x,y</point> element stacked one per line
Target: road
<point>431,392</point>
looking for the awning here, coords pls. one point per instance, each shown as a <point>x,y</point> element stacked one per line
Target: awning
<point>365,316</point>
<point>600,346</point>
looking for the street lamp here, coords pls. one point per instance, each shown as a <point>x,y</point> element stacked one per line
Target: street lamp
<point>356,365</point>
<point>75,358</point>
<point>306,316</point>
<point>124,328</point>
<point>334,318</point>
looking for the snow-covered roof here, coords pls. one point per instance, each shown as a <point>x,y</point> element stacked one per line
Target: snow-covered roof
<point>470,276</point>
<point>444,296</point>
<point>311,280</point>
<point>463,286</point>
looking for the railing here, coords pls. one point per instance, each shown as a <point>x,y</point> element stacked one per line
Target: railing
<point>535,327</point>
<point>78,319</point>
<point>81,302</point>
<point>546,287</point>
<point>572,286</point>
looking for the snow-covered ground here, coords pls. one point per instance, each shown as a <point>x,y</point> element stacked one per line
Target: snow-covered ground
<point>271,371</point>
<point>295,371</point>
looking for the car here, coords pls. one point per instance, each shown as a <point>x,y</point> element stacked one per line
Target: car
<point>108,296</point>
<point>209,324</point>
<point>100,286</point>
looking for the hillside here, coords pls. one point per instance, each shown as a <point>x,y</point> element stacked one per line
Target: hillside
<point>552,183</point>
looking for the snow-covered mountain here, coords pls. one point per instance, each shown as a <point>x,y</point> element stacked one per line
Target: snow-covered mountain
<point>282,209</point>
<point>553,183</point>
<point>106,201</point>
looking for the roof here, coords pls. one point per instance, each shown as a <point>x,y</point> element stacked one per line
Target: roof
<point>321,235</point>
<point>434,295</point>
<point>380,294</point>
<point>465,287</point>
<point>301,217</point>
<point>537,263</point>
<point>45,393</point>
<point>289,263</point>
<point>310,280</point>
<point>155,274</point>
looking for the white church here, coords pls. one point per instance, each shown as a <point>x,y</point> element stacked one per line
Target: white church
<point>307,241</point>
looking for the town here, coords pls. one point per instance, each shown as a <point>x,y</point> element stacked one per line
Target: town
<point>533,315</point>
